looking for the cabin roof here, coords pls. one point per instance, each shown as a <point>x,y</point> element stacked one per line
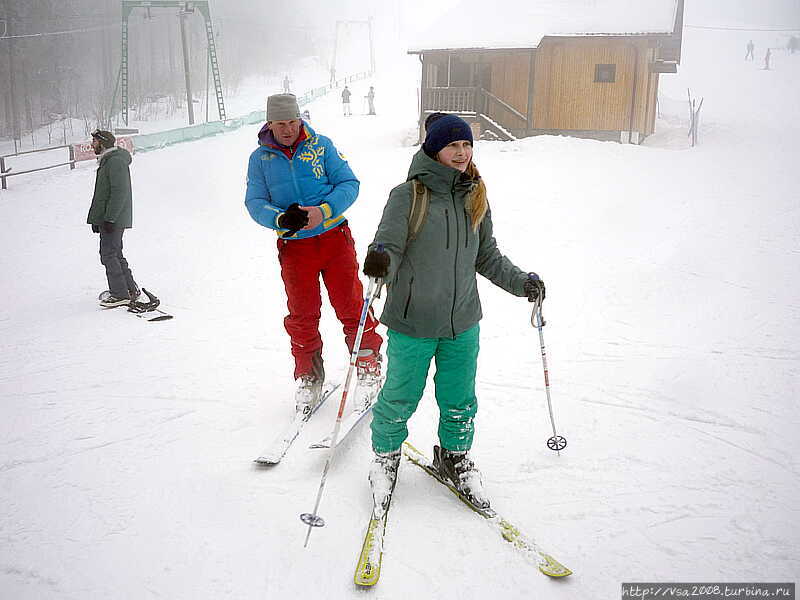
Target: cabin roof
<point>523,23</point>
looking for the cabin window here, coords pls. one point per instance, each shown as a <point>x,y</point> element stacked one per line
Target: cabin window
<point>605,73</point>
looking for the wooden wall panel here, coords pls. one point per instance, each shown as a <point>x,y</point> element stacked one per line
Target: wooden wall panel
<point>509,82</point>
<point>649,124</point>
<point>566,97</point>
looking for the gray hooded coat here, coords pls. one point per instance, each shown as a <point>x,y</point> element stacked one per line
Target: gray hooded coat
<point>432,288</point>
<point>112,200</point>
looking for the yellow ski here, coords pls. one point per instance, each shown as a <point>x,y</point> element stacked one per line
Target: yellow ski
<point>546,563</point>
<point>368,569</point>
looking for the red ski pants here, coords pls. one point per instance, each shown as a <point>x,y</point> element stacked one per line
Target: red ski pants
<point>332,255</point>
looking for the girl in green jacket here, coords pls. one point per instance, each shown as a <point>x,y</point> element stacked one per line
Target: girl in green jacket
<point>432,307</point>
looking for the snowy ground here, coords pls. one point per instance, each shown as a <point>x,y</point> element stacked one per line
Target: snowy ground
<point>126,446</point>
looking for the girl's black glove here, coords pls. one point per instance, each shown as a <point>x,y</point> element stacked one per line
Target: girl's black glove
<point>376,264</point>
<point>534,287</point>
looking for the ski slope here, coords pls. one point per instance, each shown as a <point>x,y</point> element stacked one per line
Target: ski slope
<point>126,447</point>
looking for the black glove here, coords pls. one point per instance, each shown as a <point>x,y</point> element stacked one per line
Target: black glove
<point>108,227</point>
<point>377,263</point>
<point>534,287</point>
<point>293,219</point>
<point>95,228</point>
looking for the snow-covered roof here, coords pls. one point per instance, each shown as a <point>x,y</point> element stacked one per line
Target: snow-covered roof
<point>523,23</point>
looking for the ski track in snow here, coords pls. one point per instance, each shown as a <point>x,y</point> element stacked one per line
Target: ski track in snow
<point>126,446</point>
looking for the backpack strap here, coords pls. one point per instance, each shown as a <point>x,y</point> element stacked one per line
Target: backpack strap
<point>420,199</point>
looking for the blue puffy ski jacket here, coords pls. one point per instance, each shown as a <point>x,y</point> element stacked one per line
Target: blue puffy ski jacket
<point>316,175</point>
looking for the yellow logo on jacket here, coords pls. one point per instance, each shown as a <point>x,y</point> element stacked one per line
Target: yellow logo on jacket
<point>313,153</point>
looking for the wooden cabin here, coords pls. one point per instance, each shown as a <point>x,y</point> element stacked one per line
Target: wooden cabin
<point>585,68</point>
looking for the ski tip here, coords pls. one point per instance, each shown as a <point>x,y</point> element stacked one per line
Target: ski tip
<point>366,581</point>
<point>552,568</point>
<point>367,572</point>
<point>368,569</point>
<point>266,461</point>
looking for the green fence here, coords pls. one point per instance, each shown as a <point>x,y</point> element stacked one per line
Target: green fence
<point>145,142</point>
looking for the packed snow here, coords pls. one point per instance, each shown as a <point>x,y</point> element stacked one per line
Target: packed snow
<point>672,339</point>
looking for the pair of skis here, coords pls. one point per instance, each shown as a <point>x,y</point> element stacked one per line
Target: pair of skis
<point>273,454</point>
<point>368,569</point>
<point>343,425</point>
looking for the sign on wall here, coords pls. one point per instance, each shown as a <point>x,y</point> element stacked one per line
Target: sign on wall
<point>84,150</point>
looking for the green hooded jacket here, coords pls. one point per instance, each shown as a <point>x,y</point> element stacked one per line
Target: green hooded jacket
<point>112,200</point>
<point>431,286</point>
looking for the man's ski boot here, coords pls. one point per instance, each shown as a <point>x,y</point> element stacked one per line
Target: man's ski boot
<point>382,477</point>
<point>307,394</point>
<point>458,469</point>
<point>368,370</point>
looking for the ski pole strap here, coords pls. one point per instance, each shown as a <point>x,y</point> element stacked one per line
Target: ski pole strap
<point>537,320</point>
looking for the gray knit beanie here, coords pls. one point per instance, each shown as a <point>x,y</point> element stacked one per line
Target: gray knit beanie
<point>282,107</point>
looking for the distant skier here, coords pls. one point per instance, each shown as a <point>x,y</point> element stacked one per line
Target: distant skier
<point>110,214</point>
<point>287,85</point>
<point>346,102</point>
<point>299,185</point>
<point>767,57</point>
<point>432,307</point>
<point>750,48</point>
<point>371,100</point>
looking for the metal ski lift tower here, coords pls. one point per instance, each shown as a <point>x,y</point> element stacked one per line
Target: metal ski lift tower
<point>185,9</point>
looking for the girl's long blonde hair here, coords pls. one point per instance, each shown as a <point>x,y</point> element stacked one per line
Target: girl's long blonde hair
<point>477,204</point>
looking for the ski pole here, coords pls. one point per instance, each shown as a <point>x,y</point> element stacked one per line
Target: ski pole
<point>313,519</point>
<point>556,442</point>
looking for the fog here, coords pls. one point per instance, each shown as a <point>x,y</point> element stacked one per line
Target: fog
<point>60,59</point>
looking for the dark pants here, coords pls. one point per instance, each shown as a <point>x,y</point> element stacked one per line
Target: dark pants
<point>333,256</point>
<point>120,278</point>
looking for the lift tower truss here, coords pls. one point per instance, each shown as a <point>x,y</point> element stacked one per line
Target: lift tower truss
<point>185,8</point>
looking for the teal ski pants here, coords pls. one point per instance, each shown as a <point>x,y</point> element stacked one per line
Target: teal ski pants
<point>409,359</point>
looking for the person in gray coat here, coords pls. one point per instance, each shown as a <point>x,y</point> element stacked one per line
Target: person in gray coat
<point>110,214</point>
<point>432,308</point>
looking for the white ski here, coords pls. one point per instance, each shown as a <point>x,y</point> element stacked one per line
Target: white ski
<point>348,424</point>
<point>367,400</point>
<point>277,450</point>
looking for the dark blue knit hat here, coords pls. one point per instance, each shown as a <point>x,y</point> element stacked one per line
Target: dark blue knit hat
<point>443,131</point>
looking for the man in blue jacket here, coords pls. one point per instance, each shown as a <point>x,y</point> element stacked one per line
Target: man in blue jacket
<point>299,185</point>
